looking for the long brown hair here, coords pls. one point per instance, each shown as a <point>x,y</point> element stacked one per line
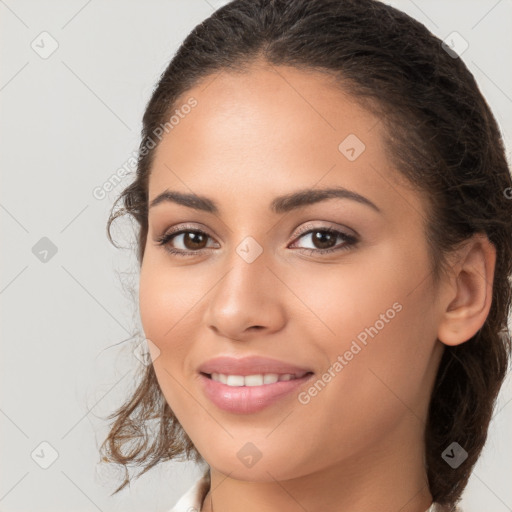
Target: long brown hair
<point>442,137</point>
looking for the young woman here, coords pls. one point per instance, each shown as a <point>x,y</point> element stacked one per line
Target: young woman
<point>325,243</point>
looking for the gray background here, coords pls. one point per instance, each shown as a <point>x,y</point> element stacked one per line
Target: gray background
<point>68,122</point>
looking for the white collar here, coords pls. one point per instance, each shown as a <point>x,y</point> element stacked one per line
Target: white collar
<point>193,498</point>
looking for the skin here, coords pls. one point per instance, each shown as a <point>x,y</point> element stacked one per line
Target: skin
<point>358,444</point>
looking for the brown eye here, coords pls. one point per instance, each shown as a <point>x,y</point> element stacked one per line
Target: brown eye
<point>324,240</point>
<point>194,240</point>
<point>184,242</point>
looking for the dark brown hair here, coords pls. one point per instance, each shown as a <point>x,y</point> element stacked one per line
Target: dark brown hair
<point>442,137</point>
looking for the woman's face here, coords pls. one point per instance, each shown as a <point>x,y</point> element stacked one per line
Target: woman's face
<point>362,317</point>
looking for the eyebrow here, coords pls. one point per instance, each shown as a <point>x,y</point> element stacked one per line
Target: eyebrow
<point>281,204</point>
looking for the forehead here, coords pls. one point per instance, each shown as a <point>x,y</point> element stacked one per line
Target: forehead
<point>272,128</point>
<point>270,107</point>
<point>267,107</point>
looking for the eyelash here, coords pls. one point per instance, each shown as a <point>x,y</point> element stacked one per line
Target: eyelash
<point>349,240</point>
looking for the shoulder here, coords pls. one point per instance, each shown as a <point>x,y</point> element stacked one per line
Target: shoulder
<point>193,498</point>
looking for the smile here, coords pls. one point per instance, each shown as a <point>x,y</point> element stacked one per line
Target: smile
<point>250,393</point>
<point>253,380</point>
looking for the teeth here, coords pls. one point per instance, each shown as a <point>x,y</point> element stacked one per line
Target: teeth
<point>235,380</point>
<point>268,378</point>
<point>251,380</point>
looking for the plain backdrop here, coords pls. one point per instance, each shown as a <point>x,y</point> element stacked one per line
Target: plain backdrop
<point>75,77</point>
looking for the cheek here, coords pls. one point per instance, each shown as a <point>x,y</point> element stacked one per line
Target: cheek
<point>155,303</point>
<point>382,309</point>
<point>166,297</point>
<point>375,380</point>
<point>379,319</point>
<point>170,300</point>
<point>163,313</point>
<point>345,299</point>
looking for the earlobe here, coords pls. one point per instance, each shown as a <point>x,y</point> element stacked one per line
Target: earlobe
<point>472,280</point>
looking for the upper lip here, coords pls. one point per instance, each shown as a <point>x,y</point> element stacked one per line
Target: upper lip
<point>250,365</point>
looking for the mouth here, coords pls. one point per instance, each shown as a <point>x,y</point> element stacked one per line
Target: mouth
<point>258,379</point>
<point>249,394</point>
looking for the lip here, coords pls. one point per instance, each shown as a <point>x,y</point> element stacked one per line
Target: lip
<point>249,399</point>
<point>250,365</point>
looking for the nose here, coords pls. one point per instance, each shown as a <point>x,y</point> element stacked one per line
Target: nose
<point>247,301</point>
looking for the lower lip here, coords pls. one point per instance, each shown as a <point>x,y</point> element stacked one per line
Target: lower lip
<point>248,399</point>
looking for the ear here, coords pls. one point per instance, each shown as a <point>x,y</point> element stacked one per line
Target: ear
<point>471,284</point>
